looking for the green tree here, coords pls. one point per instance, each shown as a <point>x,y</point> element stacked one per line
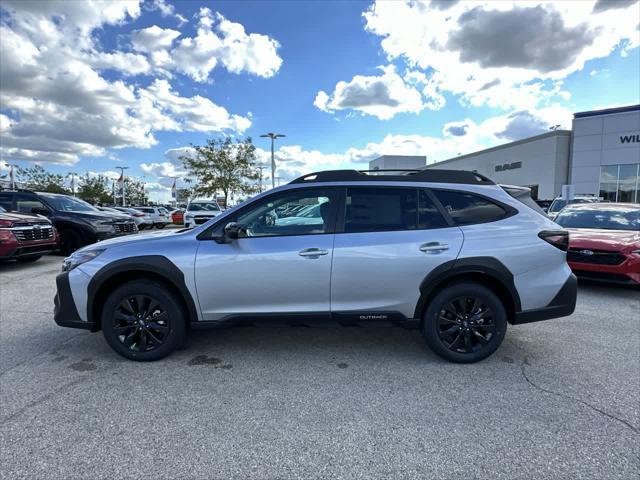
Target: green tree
<point>95,189</point>
<point>135,192</point>
<point>223,166</point>
<point>37,178</point>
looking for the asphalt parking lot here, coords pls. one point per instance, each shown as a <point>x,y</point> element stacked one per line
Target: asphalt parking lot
<point>559,400</point>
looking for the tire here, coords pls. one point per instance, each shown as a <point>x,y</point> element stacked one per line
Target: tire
<point>141,227</point>
<point>160,225</point>
<point>141,338</point>
<point>29,259</point>
<point>465,340</point>
<point>70,241</point>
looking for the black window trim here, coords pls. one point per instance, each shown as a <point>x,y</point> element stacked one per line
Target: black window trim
<point>340,227</point>
<point>509,210</point>
<point>207,234</point>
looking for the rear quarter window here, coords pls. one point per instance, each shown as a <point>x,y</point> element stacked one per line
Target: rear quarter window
<point>467,209</point>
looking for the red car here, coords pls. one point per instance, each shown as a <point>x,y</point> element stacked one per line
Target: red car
<point>604,241</point>
<point>25,237</point>
<point>177,216</point>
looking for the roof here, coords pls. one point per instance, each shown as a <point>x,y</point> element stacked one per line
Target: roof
<point>432,175</point>
<point>553,133</point>
<point>607,111</point>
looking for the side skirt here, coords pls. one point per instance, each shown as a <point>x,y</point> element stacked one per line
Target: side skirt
<point>317,319</point>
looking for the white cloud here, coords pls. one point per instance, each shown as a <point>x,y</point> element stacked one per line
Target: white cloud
<point>153,38</point>
<point>57,105</point>
<point>382,96</point>
<point>219,40</point>
<point>508,54</point>
<point>162,169</point>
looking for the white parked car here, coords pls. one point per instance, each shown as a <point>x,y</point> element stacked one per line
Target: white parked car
<point>142,220</point>
<point>200,211</point>
<point>159,215</point>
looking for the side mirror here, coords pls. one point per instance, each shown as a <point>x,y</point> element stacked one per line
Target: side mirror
<point>232,230</point>
<point>40,211</point>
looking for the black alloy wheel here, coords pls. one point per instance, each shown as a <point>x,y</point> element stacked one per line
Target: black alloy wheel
<point>141,323</point>
<point>465,322</point>
<point>144,320</point>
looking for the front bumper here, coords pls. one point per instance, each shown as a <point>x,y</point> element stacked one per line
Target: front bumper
<point>65,312</point>
<point>627,272</point>
<point>562,305</point>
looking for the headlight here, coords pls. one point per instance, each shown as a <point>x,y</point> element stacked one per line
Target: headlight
<point>78,258</point>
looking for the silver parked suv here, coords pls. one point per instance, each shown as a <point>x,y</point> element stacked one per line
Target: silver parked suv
<point>449,252</point>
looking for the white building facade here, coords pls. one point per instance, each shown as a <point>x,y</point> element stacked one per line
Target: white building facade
<point>599,156</point>
<point>605,158</point>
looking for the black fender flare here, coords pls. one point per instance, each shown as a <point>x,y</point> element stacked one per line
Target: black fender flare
<point>157,265</point>
<point>488,266</point>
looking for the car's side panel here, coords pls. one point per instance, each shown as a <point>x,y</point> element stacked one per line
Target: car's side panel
<point>260,275</point>
<point>538,268</point>
<point>382,271</point>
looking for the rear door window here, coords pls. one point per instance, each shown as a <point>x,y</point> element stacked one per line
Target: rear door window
<point>466,208</point>
<point>381,209</point>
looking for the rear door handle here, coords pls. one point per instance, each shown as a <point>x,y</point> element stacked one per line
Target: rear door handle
<point>312,252</point>
<point>433,247</point>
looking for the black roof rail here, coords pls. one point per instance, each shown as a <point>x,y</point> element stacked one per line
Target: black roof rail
<point>430,175</point>
<point>18,190</point>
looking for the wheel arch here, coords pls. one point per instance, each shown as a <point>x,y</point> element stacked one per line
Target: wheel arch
<point>486,271</point>
<point>153,267</point>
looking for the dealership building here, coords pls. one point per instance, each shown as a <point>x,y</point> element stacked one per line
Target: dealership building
<point>599,156</point>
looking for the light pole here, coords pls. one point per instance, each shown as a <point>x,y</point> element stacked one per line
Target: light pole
<point>260,167</point>
<point>73,183</point>
<point>12,175</point>
<point>122,169</point>
<point>273,137</point>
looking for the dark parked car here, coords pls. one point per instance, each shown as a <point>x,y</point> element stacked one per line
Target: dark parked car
<point>77,222</point>
<point>25,237</point>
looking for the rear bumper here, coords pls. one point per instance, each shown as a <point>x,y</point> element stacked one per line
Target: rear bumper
<point>65,312</point>
<point>562,305</point>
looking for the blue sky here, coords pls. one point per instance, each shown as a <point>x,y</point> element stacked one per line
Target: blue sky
<point>87,86</point>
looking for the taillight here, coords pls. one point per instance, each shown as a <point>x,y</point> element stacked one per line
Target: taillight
<point>557,238</point>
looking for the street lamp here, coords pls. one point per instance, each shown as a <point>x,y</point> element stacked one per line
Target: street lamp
<point>122,169</point>
<point>273,137</point>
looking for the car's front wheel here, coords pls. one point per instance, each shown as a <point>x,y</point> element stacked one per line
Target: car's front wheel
<point>143,320</point>
<point>465,322</point>
<point>160,225</point>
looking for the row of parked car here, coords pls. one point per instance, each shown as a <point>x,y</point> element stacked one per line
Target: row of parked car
<point>33,224</point>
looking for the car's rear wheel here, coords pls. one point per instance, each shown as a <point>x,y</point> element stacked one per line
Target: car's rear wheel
<point>143,320</point>
<point>160,225</point>
<point>465,323</point>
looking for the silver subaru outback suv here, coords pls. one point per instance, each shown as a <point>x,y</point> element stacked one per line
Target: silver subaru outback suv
<point>448,252</point>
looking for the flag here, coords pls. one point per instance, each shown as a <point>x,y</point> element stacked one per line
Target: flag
<point>174,191</point>
<point>121,184</point>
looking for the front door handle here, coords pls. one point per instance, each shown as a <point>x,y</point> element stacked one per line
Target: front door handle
<point>433,247</point>
<point>313,252</point>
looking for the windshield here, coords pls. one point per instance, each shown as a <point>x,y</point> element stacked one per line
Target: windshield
<point>204,207</point>
<point>605,219</point>
<point>69,204</point>
<point>559,203</point>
